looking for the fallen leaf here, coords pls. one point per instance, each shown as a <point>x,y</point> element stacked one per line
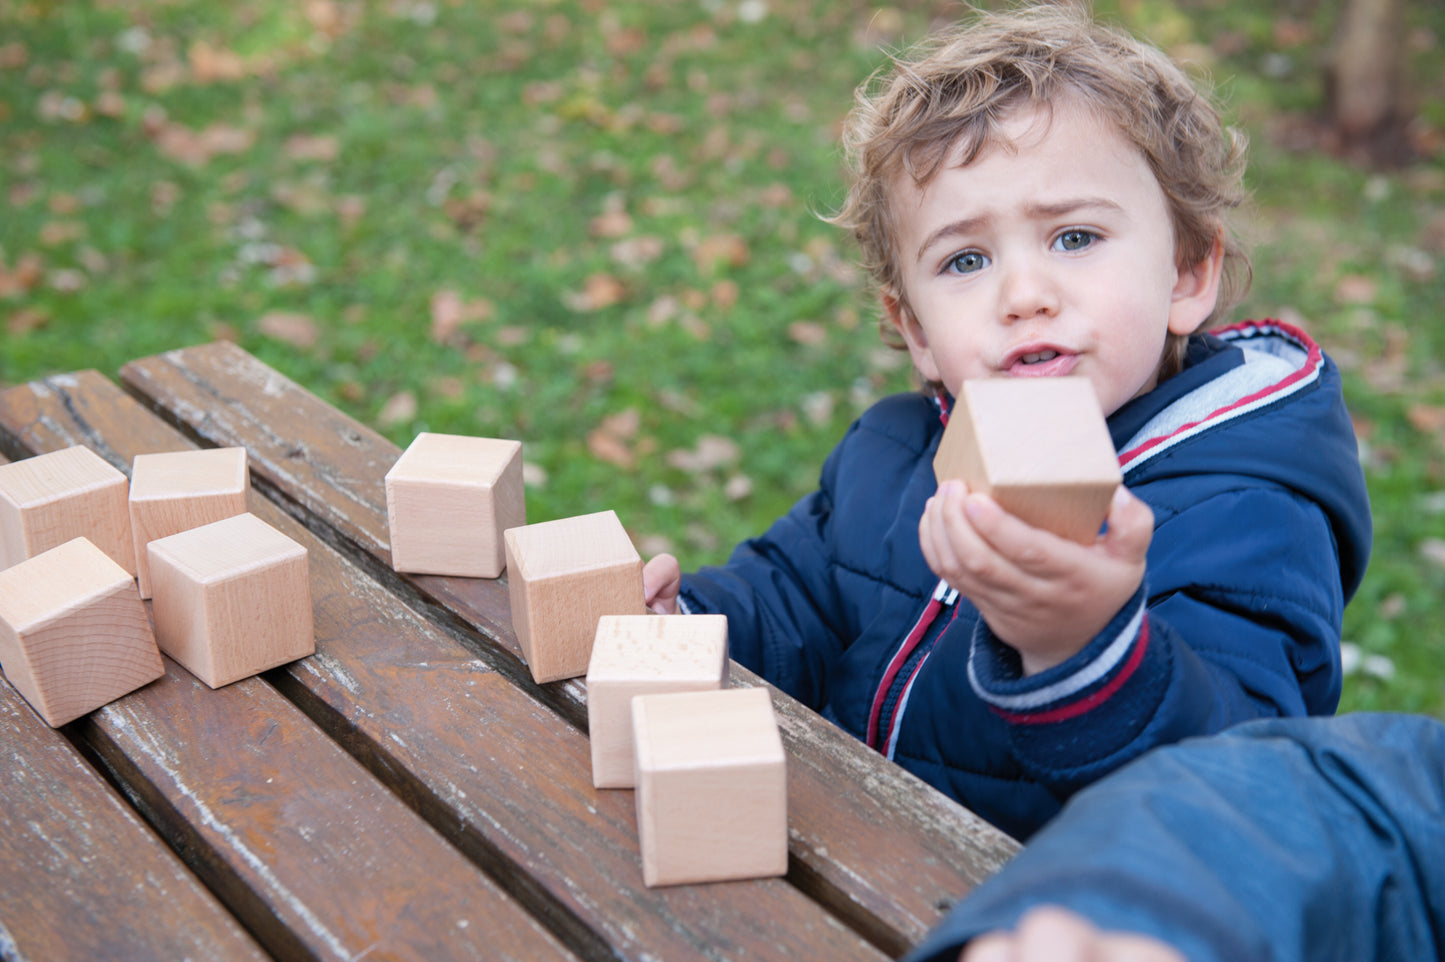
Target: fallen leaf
<point>312,147</point>
<point>470,211</point>
<point>711,451</point>
<point>67,280</point>
<point>13,55</point>
<point>598,372</point>
<point>398,409</point>
<point>777,195</point>
<point>28,273</point>
<point>210,64</point>
<point>818,407</point>
<point>298,330</point>
<point>1426,418</point>
<point>637,251</point>
<point>1433,551</point>
<point>721,249</point>
<point>738,487</point>
<point>304,198</point>
<point>725,294</point>
<point>55,106</point>
<point>609,440</point>
<point>1356,289</point>
<point>324,16</point>
<point>534,475</point>
<point>25,320</point>
<point>611,223</point>
<point>600,291</point>
<point>56,232</point>
<point>807,332</point>
<point>449,311</point>
<point>450,387</point>
<point>196,148</point>
<point>350,208</point>
<point>110,104</point>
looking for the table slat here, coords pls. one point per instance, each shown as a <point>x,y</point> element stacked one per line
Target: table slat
<point>83,877</point>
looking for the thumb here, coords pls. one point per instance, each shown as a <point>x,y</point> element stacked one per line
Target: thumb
<point>1130,527</point>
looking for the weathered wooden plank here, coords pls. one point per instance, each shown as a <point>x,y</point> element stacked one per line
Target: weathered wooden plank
<point>908,852</point>
<point>81,877</point>
<point>506,778</point>
<point>317,857</point>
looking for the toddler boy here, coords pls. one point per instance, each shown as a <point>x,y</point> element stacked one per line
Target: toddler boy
<point>1036,195</point>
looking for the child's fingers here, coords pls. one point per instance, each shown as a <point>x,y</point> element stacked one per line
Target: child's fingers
<point>1024,545</point>
<point>961,553</point>
<point>661,581</point>
<point>1131,526</point>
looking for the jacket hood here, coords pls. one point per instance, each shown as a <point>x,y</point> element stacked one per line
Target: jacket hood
<point>1212,411</point>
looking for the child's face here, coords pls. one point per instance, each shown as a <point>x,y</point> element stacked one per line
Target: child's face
<point>1050,257</point>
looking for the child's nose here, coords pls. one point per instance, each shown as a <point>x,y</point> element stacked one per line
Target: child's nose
<point>1027,290</point>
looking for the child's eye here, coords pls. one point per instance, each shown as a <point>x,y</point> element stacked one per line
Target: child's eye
<point>967,262</point>
<point>1075,240</point>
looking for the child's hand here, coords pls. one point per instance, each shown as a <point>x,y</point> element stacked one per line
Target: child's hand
<point>1052,934</point>
<point>661,579</point>
<point>1044,595</point>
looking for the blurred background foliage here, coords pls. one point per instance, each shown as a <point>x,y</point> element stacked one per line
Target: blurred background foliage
<point>592,226</point>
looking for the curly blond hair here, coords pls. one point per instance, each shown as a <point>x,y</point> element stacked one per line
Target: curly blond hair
<point>947,96</point>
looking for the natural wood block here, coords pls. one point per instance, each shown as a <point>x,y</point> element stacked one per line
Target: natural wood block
<point>645,655</point>
<point>175,491</point>
<point>712,792</point>
<point>232,599</point>
<point>73,631</point>
<point>562,576</point>
<point>53,498</point>
<point>448,500</point>
<point>1039,446</point>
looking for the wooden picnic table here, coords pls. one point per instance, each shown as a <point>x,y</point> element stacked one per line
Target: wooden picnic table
<point>408,792</point>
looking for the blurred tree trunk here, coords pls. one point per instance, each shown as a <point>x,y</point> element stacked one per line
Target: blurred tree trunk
<point>1365,81</point>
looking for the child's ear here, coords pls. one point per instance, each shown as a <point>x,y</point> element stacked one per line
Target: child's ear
<point>896,309</point>
<point>1196,291</point>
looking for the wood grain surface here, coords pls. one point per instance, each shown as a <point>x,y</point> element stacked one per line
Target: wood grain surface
<point>84,878</point>
<point>884,851</point>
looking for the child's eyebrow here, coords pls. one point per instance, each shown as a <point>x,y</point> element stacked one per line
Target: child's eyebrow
<point>1049,209</point>
<point>1059,208</point>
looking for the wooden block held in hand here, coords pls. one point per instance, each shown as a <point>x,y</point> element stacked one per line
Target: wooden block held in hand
<point>53,498</point>
<point>73,631</point>
<point>562,576</point>
<point>1039,446</point>
<point>175,491</point>
<point>232,599</point>
<point>645,655</point>
<point>448,499</point>
<point>712,787</point>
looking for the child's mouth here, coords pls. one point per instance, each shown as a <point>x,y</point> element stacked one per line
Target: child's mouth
<point>1039,357</point>
<point>1045,362</point>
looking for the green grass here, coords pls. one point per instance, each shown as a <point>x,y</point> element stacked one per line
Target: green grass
<point>621,199</point>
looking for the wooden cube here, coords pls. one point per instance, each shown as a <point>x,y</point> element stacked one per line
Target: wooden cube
<point>1039,446</point>
<point>232,598</point>
<point>53,498</point>
<point>178,490</point>
<point>712,793</point>
<point>448,500</point>
<point>73,631</point>
<point>562,576</point>
<point>645,655</point>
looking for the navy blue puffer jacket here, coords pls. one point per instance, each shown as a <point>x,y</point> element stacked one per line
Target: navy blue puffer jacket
<point>1262,532</point>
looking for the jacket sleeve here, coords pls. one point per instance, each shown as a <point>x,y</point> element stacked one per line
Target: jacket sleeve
<point>1310,838</point>
<point>779,596</point>
<point>1241,620</point>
